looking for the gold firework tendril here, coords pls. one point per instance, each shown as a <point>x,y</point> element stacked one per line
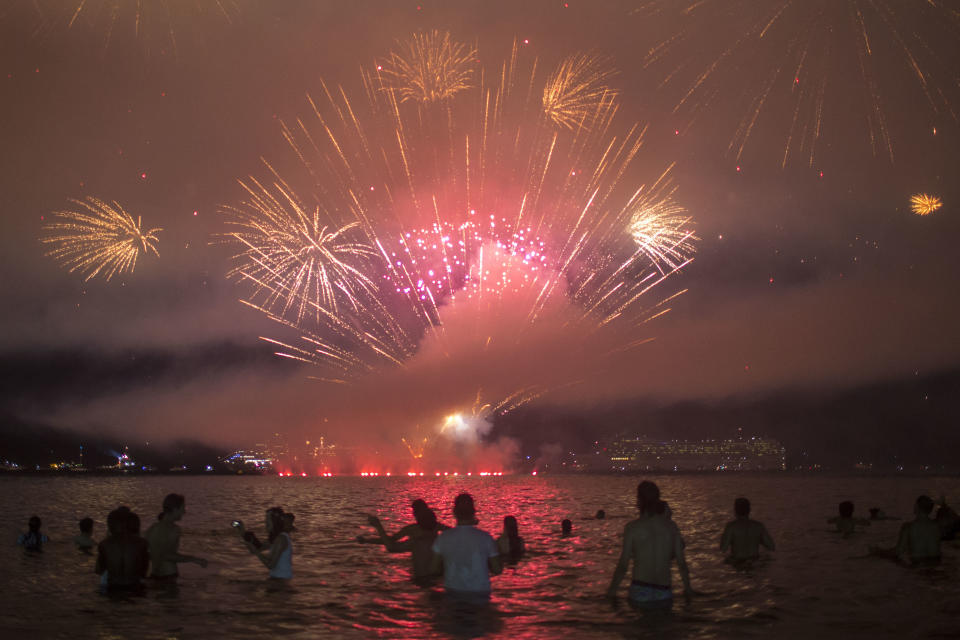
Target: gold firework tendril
<point>298,262</point>
<point>160,26</point>
<point>431,66</point>
<point>493,206</point>
<point>99,239</point>
<point>783,73</point>
<point>924,204</point>
<point>663,231</point>
<point>578,90</point>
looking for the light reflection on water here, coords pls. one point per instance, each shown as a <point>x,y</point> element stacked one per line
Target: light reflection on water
<point>815,582</point>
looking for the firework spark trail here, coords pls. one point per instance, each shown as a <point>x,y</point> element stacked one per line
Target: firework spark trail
<point>102,239</point>
<point>431,66</point>
<point>795,66</point>
<point>308,262</point>
<point>478,198</point>
<point>924,204</point>
<point>155,23</point>
<point>577,90</point>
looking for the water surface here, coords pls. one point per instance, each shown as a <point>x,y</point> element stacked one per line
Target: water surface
<point>815,583</point>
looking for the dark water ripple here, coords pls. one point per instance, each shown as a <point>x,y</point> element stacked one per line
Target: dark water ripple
<point>815,584</point>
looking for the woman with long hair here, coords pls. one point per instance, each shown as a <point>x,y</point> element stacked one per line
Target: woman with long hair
<point>277,555</point>
<point>510,543</point>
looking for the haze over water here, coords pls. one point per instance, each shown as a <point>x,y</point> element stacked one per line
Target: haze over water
<point>815,582</point>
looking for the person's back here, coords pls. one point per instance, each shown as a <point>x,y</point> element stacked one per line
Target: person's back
<point>32,540</point>
<point>920,539</point>
<point>651,539</point>
<point>845,522</point>
<point>468,554</point>
<point>744,536</point>
<point>123,554</point>
<point>284,567</point>
<point>652,542</point>
<point>124,558</point>
<point>163,539</point>
<point>421,551</point>
<point>84,540</point>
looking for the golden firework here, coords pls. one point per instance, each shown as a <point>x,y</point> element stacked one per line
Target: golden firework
<point>783,74</point>
<point>488,207</point>
<point>430,66</point>
<point>663,232</point>
<point>299,261</point>
<point>101,239</point>
<point>577,91</point>
<point>924,204</point>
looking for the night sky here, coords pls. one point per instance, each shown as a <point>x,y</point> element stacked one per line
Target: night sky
<point>816,297</point>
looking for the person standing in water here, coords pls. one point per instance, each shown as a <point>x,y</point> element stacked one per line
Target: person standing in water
<point>84,540</point>
<point>466,554</point>
<point>651,542</point>
<point>278,556</point>
<point>32,540</point>
<point>163,537</point>
<point>417,538</point>
<point>743,536</point>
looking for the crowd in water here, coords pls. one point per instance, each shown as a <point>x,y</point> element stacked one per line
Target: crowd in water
<point>466,556</point>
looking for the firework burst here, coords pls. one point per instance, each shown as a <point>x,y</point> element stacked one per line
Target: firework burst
<point>578,90</point>
<point>797,72</point>
<point>298,262</point>
<point>492,208</point>
<point>160,26</point>
<point>100,239</point>
<point>924,204</point>
<point>431,66</point>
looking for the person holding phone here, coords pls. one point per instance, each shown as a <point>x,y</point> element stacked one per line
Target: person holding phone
<point>277,555</point>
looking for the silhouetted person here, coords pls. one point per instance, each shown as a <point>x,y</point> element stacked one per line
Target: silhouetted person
<point>919,539</point>
<point>510,543</point>
<point>466,554</point>
<point>566,528</point>
<point>668,514</point>
<point>288,524</point>
<point>122,557</point>
<point>651,542</point>
<point>744,536</point>
<point>32,540</point>
<point>417,538</point>
<point>163,537</point>
<point>948,520</point>
<point>278,556</point>
<point>846,523</point>
<point>84,540</point>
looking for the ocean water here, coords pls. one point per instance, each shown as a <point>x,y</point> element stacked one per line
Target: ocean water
<point>816,583</point>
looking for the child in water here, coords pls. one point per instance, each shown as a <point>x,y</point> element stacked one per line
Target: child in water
<point>32,540</point>
<point>84,540</point>
<point>845,522</point>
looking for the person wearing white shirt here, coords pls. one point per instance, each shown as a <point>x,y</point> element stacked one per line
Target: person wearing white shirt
<point>467,555</point>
